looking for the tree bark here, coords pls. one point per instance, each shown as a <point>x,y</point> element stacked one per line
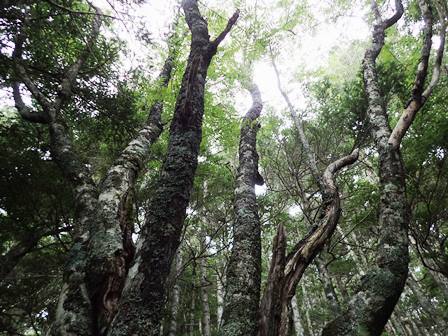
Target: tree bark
<point>175,297</point>
<point>371,307</point>
<point>220,299</point>
<point>111,249</point>
<point>103,249</point>
<point>381,287</point>
<point>296,317</point>
<point>244,268</point>
<point>204,283</point>
<point>291,268</point>
<point>142,304</point>
<point>73,314</point>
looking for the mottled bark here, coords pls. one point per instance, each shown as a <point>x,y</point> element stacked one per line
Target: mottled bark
<point>111,249</point>
<point>244,268</point>
<point>371,307</point>
<point>141,307</point>
<point>381,287</point>
<point>103,249</point>
<point>73,316</point>
<point>420,94</point>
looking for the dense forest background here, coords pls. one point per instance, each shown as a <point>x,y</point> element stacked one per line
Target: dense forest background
<point>233,167</point>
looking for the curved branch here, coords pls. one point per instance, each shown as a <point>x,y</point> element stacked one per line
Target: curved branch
<point>419,95</point>
<point>25,112</point>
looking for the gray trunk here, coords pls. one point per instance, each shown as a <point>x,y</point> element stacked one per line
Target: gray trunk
<point>244,268</point>
<point>296,317</point>
<point>175,297</point>
<point>380,289</point>
<point>204,284</point>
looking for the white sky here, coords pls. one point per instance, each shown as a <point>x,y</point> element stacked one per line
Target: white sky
<point>307,50</point>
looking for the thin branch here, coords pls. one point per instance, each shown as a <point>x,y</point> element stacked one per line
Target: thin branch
<point>66,88</point>
<point>227,29</point>
<point>71,11</point>
<point>419,94</point>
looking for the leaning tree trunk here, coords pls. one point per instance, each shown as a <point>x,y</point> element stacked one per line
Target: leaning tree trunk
<point>381,287</point>
<point>287,270</point>
<point>244,268</point>
<point>103,214</point>
<point>73,315</point>
<point>142,305</point>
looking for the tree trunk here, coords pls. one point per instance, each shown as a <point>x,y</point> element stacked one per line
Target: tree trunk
<point>289,269</point>
<point>380,289</point>
<point>104,248</point>
<point>175,297</point>
<point>306,301</point>
<point>220,298</point>
<point>244,268</point>
<point>143,299</point>
<point>329,291</point>
<point>204,284</point>
<point>296,317</point>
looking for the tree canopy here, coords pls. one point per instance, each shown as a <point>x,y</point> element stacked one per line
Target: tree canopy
<point>234,167</point>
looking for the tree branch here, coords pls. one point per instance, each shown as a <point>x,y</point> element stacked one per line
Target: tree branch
<point>226,30</point>
<point>65,90</point>
<point>419,94</point>
<point>25,112</point>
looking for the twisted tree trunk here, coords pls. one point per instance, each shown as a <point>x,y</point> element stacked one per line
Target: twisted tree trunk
<point>381,287</point>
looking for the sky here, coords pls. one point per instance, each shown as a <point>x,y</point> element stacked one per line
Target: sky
<point>307,50</point>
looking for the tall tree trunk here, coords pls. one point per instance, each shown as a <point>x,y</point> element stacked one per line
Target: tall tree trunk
<point>175,297</point>
<point>307,304</point>
<point>204,285</point>
<point>380,289</point>
<point>220,299</point>
<point>143,299</point>
<point>102,253</point>
<point>73,314</point>
<point>296,317</point>
<point>244,269</point>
